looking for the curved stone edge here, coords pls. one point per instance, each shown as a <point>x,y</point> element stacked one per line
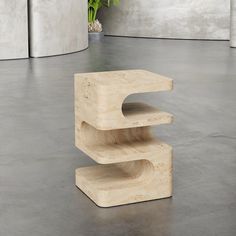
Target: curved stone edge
<point>57,27</point>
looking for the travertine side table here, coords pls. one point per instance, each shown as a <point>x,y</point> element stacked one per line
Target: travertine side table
<point>133,165</point>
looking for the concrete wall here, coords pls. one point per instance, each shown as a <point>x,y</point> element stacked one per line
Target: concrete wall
<point>57,27</point>
<point>233,24</point>
<point>13,29</point>
<point>187,19</point>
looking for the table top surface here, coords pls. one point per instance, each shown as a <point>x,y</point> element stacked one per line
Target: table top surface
<point>125,77</point>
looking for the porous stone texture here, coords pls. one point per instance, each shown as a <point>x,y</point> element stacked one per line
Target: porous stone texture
<point>233,23</point>
<point>58,27</point>
<point>187,19</point>
<point>13,29</point>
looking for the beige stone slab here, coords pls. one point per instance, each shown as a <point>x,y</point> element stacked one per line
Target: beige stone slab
<point>124,183</point>
<point>99,98</point>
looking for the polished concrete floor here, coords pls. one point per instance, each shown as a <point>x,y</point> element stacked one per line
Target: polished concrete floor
<point>38,157</point>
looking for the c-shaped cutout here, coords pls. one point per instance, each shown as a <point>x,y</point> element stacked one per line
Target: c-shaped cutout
<point>120,175</point>
<point>133,172</point>
<point>143,114</point>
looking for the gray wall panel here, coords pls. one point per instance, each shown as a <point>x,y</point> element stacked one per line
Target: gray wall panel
<point>188,19</point>
<point>13,29</point>
<point>233,24</point>
<point>57,27</point>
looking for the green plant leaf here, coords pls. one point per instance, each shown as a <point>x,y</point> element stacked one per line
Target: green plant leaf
<point>95,5</point>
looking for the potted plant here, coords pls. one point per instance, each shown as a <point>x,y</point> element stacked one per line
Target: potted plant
<point>94,26</point>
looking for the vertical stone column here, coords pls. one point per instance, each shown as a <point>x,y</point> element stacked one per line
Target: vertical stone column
<point>233,23</point>
<point>57,27</point>
<point>13,29</point>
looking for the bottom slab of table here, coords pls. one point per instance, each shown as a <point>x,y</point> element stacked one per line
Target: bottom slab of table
<point>124,183</point>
